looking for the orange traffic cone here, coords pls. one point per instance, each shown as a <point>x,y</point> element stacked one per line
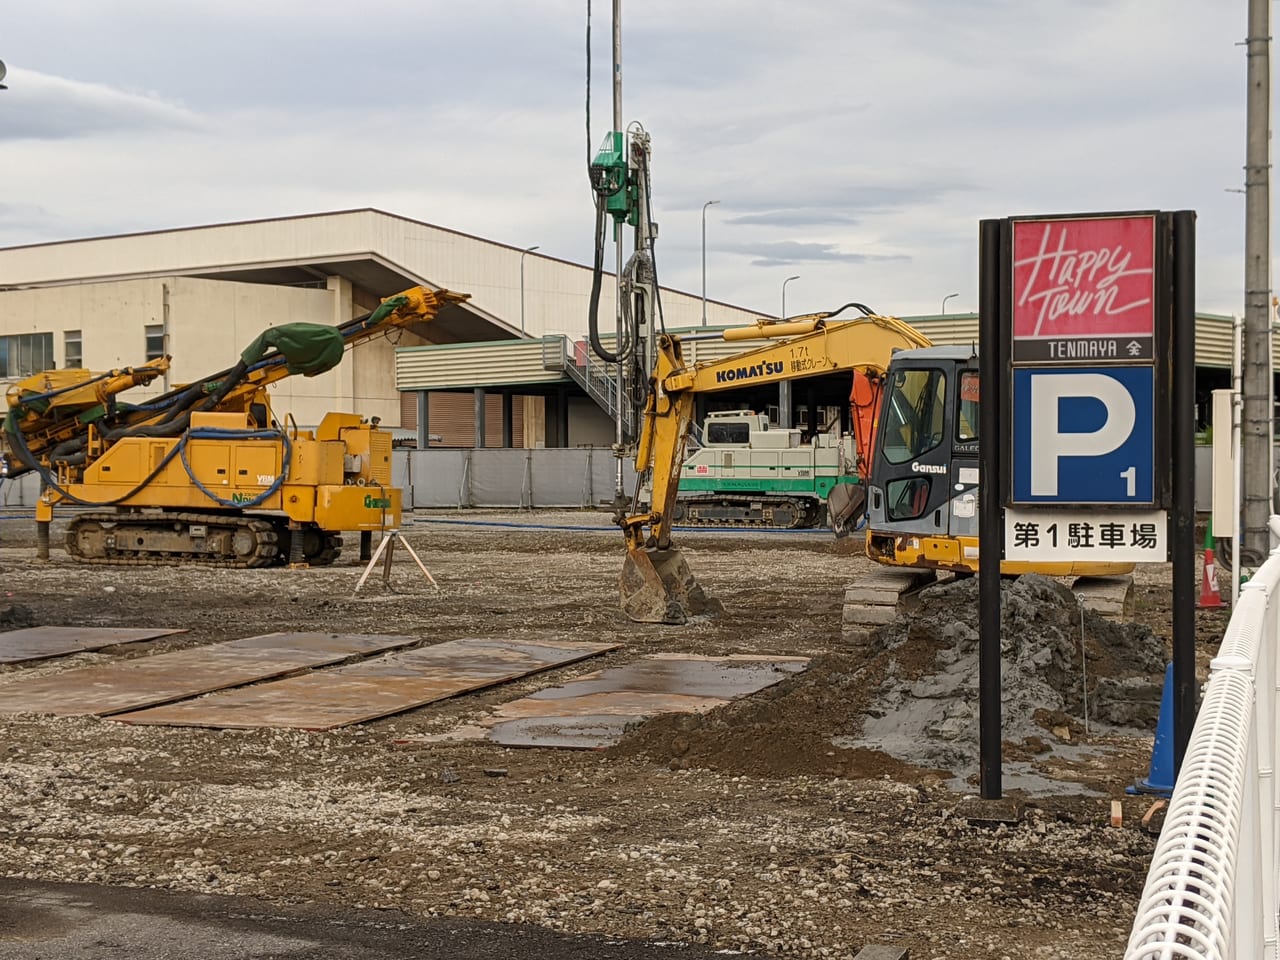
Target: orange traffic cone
<point>1209,593</point>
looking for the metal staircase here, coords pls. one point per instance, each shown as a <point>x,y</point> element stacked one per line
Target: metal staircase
<point>592,374</point>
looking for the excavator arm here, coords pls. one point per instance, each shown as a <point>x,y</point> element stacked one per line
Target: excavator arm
<point>656,584</point>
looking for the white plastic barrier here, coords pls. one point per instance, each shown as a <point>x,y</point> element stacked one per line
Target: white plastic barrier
<point>1211,890</point>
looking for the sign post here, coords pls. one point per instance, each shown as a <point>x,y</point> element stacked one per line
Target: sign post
<point>1087,324</point>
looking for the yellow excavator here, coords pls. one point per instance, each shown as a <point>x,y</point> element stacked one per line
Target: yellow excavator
<point>656,584</point>
<point>921,481</point>
<point>206,473</point>
<point>922,496</point>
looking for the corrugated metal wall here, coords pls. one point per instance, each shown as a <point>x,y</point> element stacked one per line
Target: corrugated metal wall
<point>1213,334</point>
<point>495,363</point>
<point>451,416</point>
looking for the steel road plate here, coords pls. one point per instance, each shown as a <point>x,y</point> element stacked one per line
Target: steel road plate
<point>366,691</point>
<point>42,643</point>
<point>595,711</point>
<point>147,681</point>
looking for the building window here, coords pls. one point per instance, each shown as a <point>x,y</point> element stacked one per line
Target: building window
<point>72,350</point>
<point>155,340</point>
<point>23,354</point>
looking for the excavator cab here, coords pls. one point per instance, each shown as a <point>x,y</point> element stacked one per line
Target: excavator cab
<point>922,500</point>
<point>923,495</point>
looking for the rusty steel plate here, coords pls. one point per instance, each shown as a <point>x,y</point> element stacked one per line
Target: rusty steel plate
<point>147,681</point>
<point>42,643</point>
<point>365,691</point>
<point>595,711</point>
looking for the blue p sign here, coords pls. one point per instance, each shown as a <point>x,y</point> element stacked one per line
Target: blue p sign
<point>1083,435</point>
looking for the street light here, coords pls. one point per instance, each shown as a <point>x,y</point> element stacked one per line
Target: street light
<point>704,259</point>
<point>784,294</point>
<point>522,253</point>
<point>945,299</point>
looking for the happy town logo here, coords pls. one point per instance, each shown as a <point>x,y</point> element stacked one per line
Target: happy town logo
<point>1080,278</point>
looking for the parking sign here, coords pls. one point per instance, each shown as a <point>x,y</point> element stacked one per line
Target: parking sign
<point>1083,435</point>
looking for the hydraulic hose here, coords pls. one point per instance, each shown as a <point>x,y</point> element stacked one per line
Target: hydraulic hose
<point>593,307</point>
<point>212,433</point>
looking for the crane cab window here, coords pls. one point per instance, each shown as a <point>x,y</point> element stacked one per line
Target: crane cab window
<point>915,420</point>
<point>733,432</point>
<point>967,408</point>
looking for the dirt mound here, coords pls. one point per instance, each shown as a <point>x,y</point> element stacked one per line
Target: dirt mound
<point>783,731</point>
<point>1055,657</point>
<point>911,710</point>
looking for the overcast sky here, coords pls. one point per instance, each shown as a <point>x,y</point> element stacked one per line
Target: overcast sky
<point>854,143</point>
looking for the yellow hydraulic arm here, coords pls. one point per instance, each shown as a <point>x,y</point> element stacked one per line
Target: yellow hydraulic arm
<point>656,586</point>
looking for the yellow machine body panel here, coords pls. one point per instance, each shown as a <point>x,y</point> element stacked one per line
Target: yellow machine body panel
<point>231,470</point>
<point>316,462</point>
<point>960,554</point>
<point>358,508</point>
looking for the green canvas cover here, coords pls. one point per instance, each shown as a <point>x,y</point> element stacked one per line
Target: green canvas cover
<point>307,348</point>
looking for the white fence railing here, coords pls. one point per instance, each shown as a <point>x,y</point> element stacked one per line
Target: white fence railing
<point>1211,890</point>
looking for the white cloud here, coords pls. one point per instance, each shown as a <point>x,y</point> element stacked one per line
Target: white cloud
<point>855,143</point>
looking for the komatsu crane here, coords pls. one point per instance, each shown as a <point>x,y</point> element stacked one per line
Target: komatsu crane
<point>206,473</point>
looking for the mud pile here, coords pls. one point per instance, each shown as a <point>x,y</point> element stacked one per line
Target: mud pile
<point>909,708</point>
<point>1057,659</point>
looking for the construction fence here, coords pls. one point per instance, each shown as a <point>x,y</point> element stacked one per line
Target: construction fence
<point>499,478</point>
<point>511,479</point>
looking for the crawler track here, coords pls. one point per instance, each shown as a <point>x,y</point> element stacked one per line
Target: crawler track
<point>110,538</point>
<point>775,513</point>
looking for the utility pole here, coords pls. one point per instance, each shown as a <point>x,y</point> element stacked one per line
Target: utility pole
<point>1257,387</point>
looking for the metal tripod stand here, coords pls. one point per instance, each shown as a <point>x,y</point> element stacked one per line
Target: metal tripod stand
<point>386,550</point>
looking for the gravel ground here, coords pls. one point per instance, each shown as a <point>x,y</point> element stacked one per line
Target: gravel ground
<point>765,837</point>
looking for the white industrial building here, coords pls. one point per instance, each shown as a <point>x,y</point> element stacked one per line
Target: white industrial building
<point>202,294</point>
<point>509,368</point>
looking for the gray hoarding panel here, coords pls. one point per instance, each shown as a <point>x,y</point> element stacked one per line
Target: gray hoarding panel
<point>560,477</point>
<point>402,476</point>
<point>439,477</point>
<point>22,492</point>
<point>498,477</point>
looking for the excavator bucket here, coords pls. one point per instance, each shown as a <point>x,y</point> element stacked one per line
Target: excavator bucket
<point>846,506</point>
<point>657,587</point>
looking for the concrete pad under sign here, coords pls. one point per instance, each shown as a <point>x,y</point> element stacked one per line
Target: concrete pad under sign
<point>43,643</point>
<point>877,951</point>
<point>595,711</point>
<point>990,813</point>
<point>372,689</point>
<point>146,681</point>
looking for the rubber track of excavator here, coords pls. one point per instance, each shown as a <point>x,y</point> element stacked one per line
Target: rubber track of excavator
<point>805,518</point>
<point>882,595</point>
<point>266,552</point>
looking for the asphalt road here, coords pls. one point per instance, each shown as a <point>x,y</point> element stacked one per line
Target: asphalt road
<point>54,921</point>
